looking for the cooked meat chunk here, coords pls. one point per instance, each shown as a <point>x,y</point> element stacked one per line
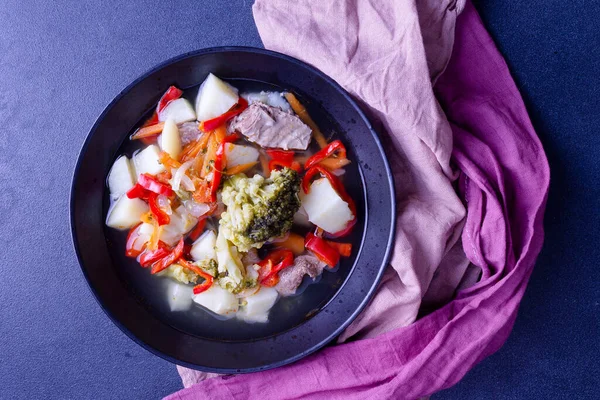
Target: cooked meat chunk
<point>189,132</point>
<point>291,277</point>
<point>271,127</point>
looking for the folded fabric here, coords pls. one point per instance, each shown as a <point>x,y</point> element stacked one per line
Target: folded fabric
<point>387,54</point>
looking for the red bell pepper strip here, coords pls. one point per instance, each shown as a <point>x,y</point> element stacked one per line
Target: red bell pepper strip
<point>149,182</point>
<point>204,286</point>
<point>234,137</point>
<point>208,279</point>
<point>217,172</point>
<point>171,94</point>
<point>271,265</point>
<point>137,192</point>
<point>322,250</point>
<point>339,188</point>
<point>212,124</point>
<point>316,170</point>
<point>149,257</point>
<point>344,232</point>
<point>162,218</point>
<point>271,281</point>
<point>335,146</point>
<point>276,164</point>
<point>345,249</point>
<point>132,237</point>
<point>286,156</point>
<point>283,158</point>
<point>198,229</point>
<point>193,267</point>
<point>186,250</point>
<point>169,259</point>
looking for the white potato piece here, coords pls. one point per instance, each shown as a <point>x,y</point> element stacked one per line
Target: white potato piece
<point>257,306</point>
<point>181,223</point>
<point>179,296</point>
<point>144,234</point>
<point>301,218</point>
<point>325,208</point>
<point>238,155</point>
<point>146,229</point>
<point>215,97</point>
<point>120,177</point>
<point>179,110</point>
<point>217,300</point>
<point>126,213</point>
<point>187,221</point>
<point>170,141</point>
<point>148,161</point>
<point>204,247</point>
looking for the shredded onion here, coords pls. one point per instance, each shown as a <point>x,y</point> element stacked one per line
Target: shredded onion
<point>187,183</point>
<point>196,209</point>
<point>164,204</point>
<point>178,177</point>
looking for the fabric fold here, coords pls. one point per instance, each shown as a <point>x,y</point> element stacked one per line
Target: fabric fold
<point>478,135</point>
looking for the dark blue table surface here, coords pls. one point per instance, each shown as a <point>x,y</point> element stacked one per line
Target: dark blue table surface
<point>62,62</point>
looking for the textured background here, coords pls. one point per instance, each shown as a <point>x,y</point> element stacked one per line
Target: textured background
<point>62,62</point>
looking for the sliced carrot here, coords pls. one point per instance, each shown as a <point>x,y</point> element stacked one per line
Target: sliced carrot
<point>204,140</point>
<point>238,169</point>
<point>300,110</point>
<point>203,192</point>
<point>198,163</point>
<point>345,249</point>
<point>166,160</point>
<point>264,163</point>
<point>220,133</point>
<point>294,242</point>
<point>334,163</point>
<point>164,176</point>
<point>186,149</point>
<point>148,131</point>
<point>153,243</point>
<point>211,155</point>
<point>191,150</point>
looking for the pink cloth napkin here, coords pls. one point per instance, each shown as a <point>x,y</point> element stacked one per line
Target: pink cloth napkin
<point>388,55</point>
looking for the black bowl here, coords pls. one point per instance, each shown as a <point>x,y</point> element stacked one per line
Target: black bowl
<point>339,299</point>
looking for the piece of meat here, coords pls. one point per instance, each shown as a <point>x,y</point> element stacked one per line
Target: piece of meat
<point>271,127</point>
<point>189,132</point>
<point>291,277</point>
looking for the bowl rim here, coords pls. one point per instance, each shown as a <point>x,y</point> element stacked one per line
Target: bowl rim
<point>392,223</point>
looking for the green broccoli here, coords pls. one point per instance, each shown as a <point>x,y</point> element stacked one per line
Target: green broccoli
<point>259,209</point>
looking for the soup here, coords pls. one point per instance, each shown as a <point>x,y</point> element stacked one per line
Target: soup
<point>233,204</point>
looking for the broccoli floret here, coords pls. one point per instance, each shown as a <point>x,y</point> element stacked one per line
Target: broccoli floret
<point>209,266</point>
<point>180,274</point>
<point>259,209</point>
